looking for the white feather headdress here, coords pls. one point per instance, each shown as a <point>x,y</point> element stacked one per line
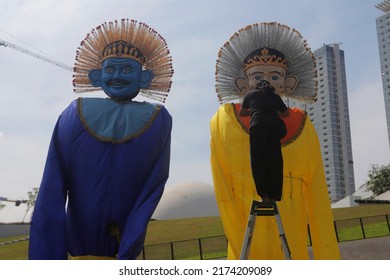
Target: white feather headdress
<point>300,59</point>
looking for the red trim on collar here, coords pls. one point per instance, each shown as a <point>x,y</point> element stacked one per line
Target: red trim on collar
<point>294,123</point>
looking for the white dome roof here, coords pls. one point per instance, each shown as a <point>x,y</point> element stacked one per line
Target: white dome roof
<point>187,200</point>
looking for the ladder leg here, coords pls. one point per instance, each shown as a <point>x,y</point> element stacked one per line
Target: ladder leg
<point>263,209</point>
<point>246,244</point>
<point>282,235</point>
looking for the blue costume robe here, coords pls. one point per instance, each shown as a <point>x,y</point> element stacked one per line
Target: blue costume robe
<point>107,164</point>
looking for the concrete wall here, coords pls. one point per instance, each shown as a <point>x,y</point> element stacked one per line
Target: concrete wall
<point>7,230</point>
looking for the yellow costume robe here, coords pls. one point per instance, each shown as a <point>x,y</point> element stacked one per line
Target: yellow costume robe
<point>305,200</point>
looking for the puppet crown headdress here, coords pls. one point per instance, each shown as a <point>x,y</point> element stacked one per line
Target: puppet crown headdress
<point>123,49</point>
<point>265,56</point>
<point>129,39</point>
<point>259,44</point>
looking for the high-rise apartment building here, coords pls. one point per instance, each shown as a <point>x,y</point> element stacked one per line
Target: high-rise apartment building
<point>330,117</point>
<point>383,31</point>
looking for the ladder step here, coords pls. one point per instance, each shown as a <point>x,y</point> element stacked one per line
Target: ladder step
<point>263,204</point>
<point>264,208</point>
<point>264,212</point>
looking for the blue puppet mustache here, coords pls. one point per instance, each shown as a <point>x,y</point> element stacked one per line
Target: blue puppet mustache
<point>112,82</point>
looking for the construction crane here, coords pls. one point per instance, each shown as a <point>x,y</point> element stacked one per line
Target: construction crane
<point>36,55</point>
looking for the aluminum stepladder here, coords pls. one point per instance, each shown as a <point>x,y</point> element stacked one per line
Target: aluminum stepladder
<point>263,208</point>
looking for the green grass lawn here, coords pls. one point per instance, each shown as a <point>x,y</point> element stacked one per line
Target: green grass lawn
<point>183,229</point>
<point>361,211</point>
<point>15,251</point>
<point>185,233</point>
<point>159,232</point>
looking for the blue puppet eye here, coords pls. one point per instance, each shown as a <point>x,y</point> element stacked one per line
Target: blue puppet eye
<point>109,70</point>
<point>127,70</point>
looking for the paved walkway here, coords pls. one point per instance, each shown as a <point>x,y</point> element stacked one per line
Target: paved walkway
<point>366,249</point>
<point>377,248</point>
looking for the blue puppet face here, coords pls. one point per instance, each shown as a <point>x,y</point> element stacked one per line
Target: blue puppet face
<point>121,78</point>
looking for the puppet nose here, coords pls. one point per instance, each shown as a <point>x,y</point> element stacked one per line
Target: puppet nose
<point>263,84</point>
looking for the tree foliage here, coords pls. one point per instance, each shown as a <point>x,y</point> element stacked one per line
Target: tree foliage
<point>32,197</point>
<point>1,206</point>
<point>379,179</point>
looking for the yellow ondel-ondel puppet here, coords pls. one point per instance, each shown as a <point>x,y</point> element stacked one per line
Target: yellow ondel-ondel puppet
<point>247,57</point>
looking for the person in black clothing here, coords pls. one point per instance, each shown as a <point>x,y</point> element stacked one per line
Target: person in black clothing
<point>264,107</point>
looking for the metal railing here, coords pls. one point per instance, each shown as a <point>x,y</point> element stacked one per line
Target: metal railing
<point>215,247</point>
<point>362,228</point>
<point>208,248</point>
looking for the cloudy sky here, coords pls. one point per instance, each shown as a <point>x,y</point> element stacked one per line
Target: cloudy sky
<point>33,93</point>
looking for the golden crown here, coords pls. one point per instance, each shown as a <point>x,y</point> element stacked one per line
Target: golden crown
<point>263,57</point>
<point>123,49</point>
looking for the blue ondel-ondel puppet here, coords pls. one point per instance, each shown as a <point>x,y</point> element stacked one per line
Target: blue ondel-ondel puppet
<point>108,159</point>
